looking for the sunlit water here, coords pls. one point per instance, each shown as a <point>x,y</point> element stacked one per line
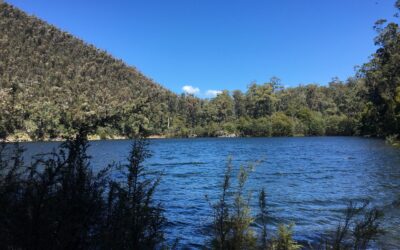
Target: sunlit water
<point>309,181</point>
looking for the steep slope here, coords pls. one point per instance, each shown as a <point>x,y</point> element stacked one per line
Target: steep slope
<point>57,81</point>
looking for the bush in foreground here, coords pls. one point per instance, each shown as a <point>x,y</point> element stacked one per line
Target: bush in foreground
<point>233,222</point>
<point>58,202</point>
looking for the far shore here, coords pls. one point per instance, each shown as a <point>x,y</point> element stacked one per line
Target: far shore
<point>26,138</point>
<point>13,139</point>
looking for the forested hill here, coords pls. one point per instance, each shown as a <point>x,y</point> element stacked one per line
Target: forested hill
<point>51,83</point>
<point>56,81</point>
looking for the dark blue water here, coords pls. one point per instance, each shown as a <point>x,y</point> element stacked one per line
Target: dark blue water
<point>309,181</point>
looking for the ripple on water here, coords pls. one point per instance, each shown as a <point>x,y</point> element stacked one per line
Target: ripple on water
<point>308,181</point>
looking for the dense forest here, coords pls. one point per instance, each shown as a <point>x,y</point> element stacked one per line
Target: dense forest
<point>51,83</point>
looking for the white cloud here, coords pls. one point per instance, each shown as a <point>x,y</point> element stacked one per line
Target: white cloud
<point>213,93</point>
<point>190,89</point>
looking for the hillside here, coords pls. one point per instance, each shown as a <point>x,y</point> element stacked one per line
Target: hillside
<point>57,81</point>
<point>52,83</point>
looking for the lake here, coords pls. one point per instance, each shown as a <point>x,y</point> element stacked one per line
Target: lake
<point>309,180</point>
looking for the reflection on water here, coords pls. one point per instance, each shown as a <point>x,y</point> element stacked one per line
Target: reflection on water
<point>308,180</point>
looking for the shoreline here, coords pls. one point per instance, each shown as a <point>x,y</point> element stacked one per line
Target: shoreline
<point>23,139</point>
<point>12,139</point>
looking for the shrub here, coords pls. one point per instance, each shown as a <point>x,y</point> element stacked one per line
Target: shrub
<point>245,126</point>
<point>255,127</point>
<point>282,125</point>
<point>221,213</point>
<point>284,240</point>
<point>261,127</point>
<point>232,218</point>
<point>340,125</point>
<point>313,121</point>
<point>359,227</point>
<point>230,127</point>
<point>59,202</point>
<point>133,220</point>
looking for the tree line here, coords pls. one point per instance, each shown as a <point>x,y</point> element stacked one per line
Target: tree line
<point>269,109</point>
<point>52,83</point>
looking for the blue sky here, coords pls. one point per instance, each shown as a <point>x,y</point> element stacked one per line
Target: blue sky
<point>224,44</point>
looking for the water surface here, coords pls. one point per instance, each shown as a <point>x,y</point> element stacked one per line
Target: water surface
<point>309,181</point>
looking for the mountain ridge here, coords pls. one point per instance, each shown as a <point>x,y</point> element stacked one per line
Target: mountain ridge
<point>40,58</point>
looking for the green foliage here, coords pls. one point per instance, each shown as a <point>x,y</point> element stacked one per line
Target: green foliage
<point>340,125</point>
<point>242,235</point>
<point>58,202</point>
<point>359,227</point>
<point>261,100</point>
<point>221,213</point>
<point>282,125</point>
<point>54,83</point>
<point>133,221</point>
<point>55,202</point>
<point>255,127</point>
<point>312,121</point>
<point>6,114</point>
<point>232,218</point>
<point>382,81</point>
<point>284,239</point>
<point>105,132</point>
<point>222,106</point>
<point>239,104</point>
<point>230,127</point>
